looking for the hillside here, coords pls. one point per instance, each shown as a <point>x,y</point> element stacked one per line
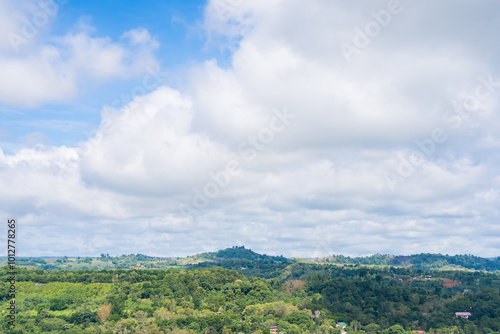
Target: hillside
<point>307,298</point>
<point>248,262</point>
<point>419,261</point>
<point>253,264</point>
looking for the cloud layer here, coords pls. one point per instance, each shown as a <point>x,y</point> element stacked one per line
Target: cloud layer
<point>294,149</point>
<point>38,68</point>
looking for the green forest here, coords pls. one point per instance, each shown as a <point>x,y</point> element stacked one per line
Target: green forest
<point>239,258</point>
<point>251,294</point>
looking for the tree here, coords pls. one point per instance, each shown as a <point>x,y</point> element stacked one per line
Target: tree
<point>210,330</point>
<point>54,324</point>
<point>299,318</point>
<point>148,329</point>
<point>355,325</point>
<point>372,328</point>
<point>141,317</point>
<point>226,330</point>
<point>104,312</point>
<point>58,304</point>
<point>396,329</point>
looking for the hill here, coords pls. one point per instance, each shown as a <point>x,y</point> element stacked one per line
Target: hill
<point>247,261</point>
<point>419,261</point>
<point>306,298</point>
<point>253,264</point>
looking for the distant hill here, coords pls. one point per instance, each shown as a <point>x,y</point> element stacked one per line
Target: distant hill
<point>419,261</point>
<point>246,261</point>
<point>251,263</point>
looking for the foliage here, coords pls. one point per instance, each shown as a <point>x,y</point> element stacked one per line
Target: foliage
<point>295,296</point>
<point>104,312</point>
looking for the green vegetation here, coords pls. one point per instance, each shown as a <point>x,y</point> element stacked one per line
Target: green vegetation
<point>264,291</point>
<point>252,264</point>
<point>420,261</point>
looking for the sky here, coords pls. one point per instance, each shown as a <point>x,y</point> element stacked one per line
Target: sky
<point>295,128</point>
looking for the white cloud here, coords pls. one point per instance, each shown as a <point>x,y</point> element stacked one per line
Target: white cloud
<point>103,59</point>
<point>35,78</point>
<point>150,145</point>
<point>140,36</point>
<point>38,70</point>
<point>320,184</point>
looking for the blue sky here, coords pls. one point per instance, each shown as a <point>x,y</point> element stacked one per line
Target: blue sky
<point>290,127</point>
<point>176,25</point>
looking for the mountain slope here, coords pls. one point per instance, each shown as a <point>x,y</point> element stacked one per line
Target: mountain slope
<point>246,261</point>
<point>420,261</point>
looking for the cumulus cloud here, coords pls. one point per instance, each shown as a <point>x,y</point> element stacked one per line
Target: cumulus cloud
<point>394,151</point>
<point>150,145</point>
<point>103,59</point>
<point>37,70</point>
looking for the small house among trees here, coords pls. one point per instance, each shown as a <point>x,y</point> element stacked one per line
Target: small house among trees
<point>341,325</point>
<point>463,315</point>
